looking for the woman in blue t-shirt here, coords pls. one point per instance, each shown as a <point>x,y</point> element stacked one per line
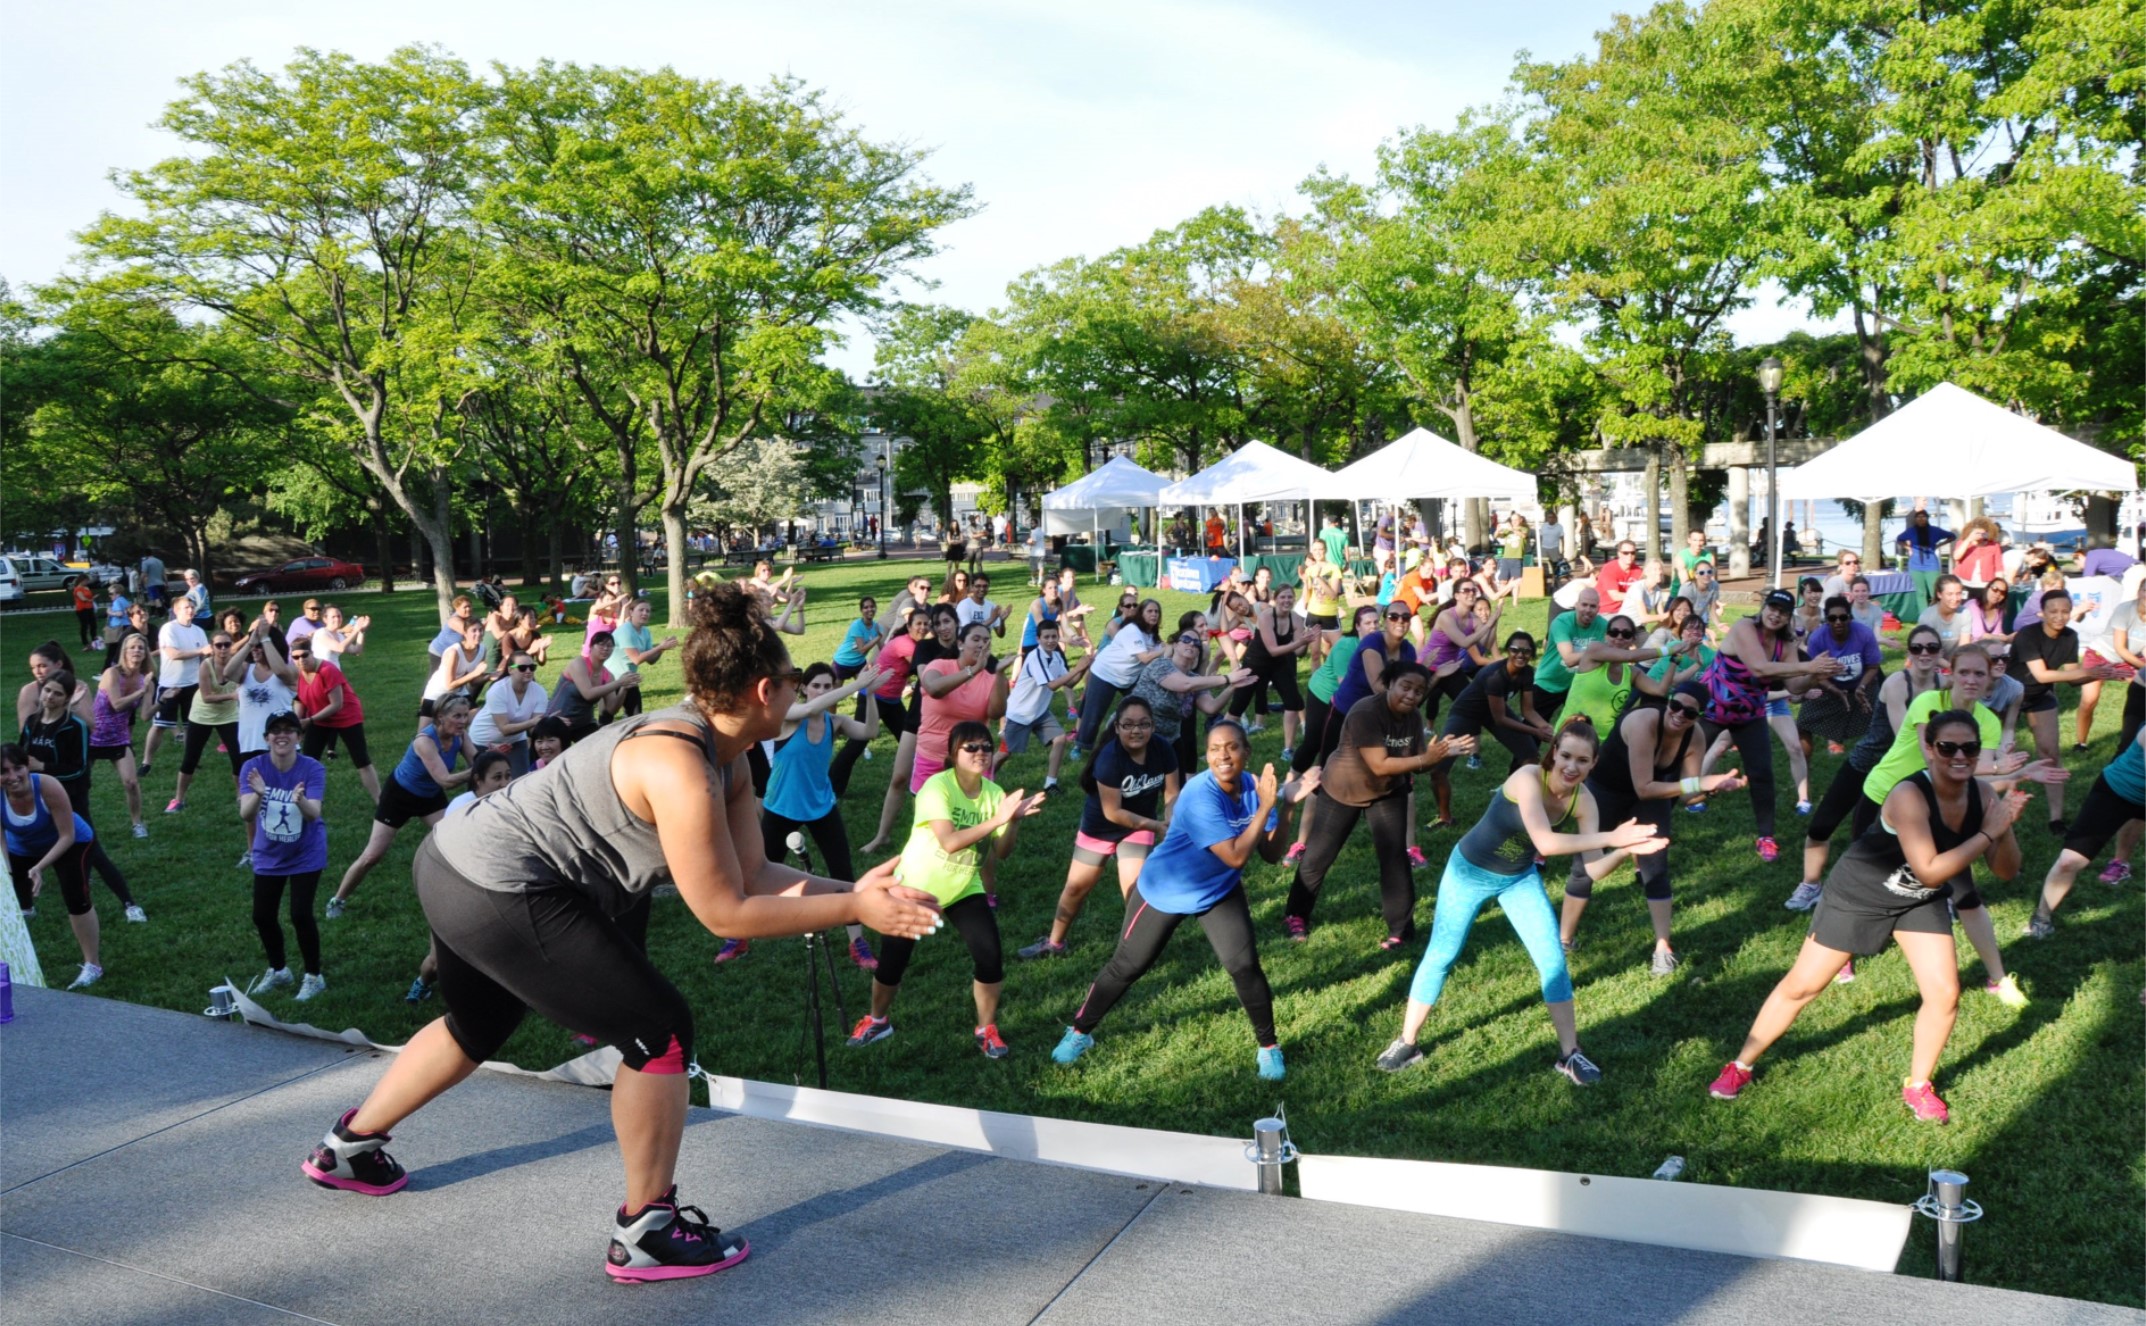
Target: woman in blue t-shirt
<point>1222,818</point>
<point>862,640</point>
<point>1131,784</point>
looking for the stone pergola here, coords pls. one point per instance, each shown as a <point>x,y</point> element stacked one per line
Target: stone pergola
<point>1738,458</point>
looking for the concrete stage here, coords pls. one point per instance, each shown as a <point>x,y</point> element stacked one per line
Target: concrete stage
<point>149,1173</point>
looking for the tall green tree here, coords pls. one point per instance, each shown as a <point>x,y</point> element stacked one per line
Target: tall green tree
<point>691,245</point>
<point>323,213</point>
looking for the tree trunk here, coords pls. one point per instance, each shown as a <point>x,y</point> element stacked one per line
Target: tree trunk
<point>526,519</point>
<point>1873,535</point>
<point>476,546</point>
<point>554,554</point>
<point>441,536</point>
<point>1679,499</point>
<point>383,546</point>
<point>1654,501</point>
<point>674,549</point>
<point>629,539</point>
<point>1475,512</point>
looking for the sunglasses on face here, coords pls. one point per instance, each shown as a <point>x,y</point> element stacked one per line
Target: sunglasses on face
<point>1690,711</point>
<point>1839,619</point>
<point>530,667</point>
<point>1955,749</point>
<point>1522,655</point>
<point>975,748</point>
<point>1397,616</point>
<point>1926,649</point>
<point>1702,572</point>
<point>1628,552</point>
<point>1620,635</point>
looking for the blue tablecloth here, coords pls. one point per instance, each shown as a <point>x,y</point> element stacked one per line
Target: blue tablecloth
<point>1198,575</point>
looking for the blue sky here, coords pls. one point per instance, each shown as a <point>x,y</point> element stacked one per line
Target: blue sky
<point>1081,128</point>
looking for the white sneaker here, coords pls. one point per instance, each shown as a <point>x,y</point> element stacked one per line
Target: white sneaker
<point>314,983</point>
<point>275,978</point>
<point>334,908</point>
<point>245,860</point>
<point>141,831</point>
<point>136,914</point>
<point>1804,898</point>
<point>91,974</point>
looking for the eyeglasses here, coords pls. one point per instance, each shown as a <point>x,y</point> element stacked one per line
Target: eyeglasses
<point>1927,649</point>
<point>1838,618</point>
<point>975,748</point>
<point>1954,749</point>
<point>794,677</point>
<point>1524,655</point>
<point>531,667</point>
<point>1690,711</point>
<point>1703,571</point>
<point>1134,725</point>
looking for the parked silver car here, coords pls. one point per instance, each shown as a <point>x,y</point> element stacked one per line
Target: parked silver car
<point>39,572</point>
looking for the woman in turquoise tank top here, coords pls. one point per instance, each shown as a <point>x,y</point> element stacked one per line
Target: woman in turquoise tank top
<point>1537,813</point>
<point>800,790</point>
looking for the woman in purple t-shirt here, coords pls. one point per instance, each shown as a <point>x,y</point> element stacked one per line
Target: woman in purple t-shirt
<point>280,794</point>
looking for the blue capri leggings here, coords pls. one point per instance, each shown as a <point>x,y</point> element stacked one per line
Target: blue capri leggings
<point>1462,893</point>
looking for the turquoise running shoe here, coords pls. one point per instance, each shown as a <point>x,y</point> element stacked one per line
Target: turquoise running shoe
<point>1270,1063</point>
<point>1072,1046</point>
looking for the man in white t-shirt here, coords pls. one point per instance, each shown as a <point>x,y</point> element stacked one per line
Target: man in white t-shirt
<point>511,708</point>
<point>180,647</point>
<point>1041,673</point>
<point>978,607</point>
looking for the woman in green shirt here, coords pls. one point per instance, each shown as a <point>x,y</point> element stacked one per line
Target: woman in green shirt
<point>959,812</point>
<point>1600,689</point>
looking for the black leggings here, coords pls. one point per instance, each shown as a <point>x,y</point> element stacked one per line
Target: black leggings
<point>1309,742</point>
<point>1330,828</point>
<point>828,833</point>
<point>268,900</point>
<point>2134,714</point>
<point>1450,687</point>
<point>1612,811</point>
<point>555,951</point>
<point>893,719</point>
<point>1281,673</point>
<point>1521,746</point>
<point>197,741</point>
<point>1842,797</point>
<point>71,870</point>
<point>86,624</point>
<point>1754,742</point>
<point>99,860</point>
<point>1096,698</point>
<point>973,918</point>
<point>319,738</point>
<point>1229,929</point>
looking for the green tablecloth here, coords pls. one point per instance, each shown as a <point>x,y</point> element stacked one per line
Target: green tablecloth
<point>1139,569</point>
<point>1079,556</point>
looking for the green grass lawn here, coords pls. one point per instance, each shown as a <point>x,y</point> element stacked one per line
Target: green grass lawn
<point>2046,1101</point>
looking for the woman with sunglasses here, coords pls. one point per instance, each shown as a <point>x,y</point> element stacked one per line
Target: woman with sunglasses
<point>801,796</point>
<point>213,713</point>
<point>526,895</point>
<point>1455,631</point>
<point>1500,700</point>
<point>512,708</point>
<point>956,586</point>
<point>1893,885</point>
<point>961,817</point>
<point>1601,688</point>
<point>1989,615</point>
<point>1131,785</point>
<point>1365,672</point>
<point>1839,708</point>
<point>943,641</point>
<point>1223,816</point>
<point>1648,763</point>
<point>1174,687</point>
<point>1759,651</point>
<point>1704,593</point>
<point>1536,814</point>
<point>415,789</point>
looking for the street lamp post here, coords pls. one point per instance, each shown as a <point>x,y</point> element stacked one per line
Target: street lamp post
<point>1770,373</point>
<point>882,458</point>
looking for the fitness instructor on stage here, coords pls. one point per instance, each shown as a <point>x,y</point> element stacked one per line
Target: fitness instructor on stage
<point>533,894</point>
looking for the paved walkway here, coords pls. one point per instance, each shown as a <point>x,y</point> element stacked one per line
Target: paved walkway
<point>149,1173</point>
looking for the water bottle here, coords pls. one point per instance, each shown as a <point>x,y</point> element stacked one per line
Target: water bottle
<point>1670,1168</point>
<point>7,995</point>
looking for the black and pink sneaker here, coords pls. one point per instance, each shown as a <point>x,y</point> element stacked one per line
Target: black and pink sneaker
<point>354,1162</point>
<point>667,1241</point>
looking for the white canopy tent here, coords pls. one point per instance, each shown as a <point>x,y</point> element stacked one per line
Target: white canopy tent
<point>1950,443</point>
<point>1254,472</point>
<point>1102,498</point>
<point>1422,465</point>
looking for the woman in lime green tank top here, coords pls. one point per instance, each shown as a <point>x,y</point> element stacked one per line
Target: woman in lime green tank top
<point>1600,690</point>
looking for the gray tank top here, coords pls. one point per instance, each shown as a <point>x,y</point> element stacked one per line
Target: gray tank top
<point>564,827</point>
<point>1500,842</point>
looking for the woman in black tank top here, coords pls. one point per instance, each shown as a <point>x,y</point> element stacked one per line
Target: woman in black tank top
<point>1278,641</point>
<point>524,892</point>
<point>1893,883</point>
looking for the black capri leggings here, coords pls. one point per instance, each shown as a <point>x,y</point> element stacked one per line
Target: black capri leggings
<point>99,860</point>
<point>1147,929</point>
<point>978,925</point>
<point>554,951</point>
<point>828,833</point>
<point>1280,673</point>
<point>1612,811</point>
<point>318,738</point>
<point>1754,742</point>
<point>1843,798</point>
<point>893,720</point>
<point>1330,829</point>
<point>1317,715</point>
<point>1521,746</point>
<point>71,870</point>
<point>2105,812</point>
<point>197,741</point>
<point>268,901</point>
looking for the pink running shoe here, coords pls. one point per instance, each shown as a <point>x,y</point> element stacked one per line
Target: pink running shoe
<point>1294,927</point>
<point>2116,872</point>
<point>1295,851</point>
<point>1734,1078</point>
<point>733,949</point>
<point>860,953</point>
<point>1416,859</point>
<point>1769,850</point>
<point>1846,975</point>
<point>1924,1102</point>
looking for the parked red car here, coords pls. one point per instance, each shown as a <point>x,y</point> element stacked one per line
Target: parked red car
<point>302,574</point>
